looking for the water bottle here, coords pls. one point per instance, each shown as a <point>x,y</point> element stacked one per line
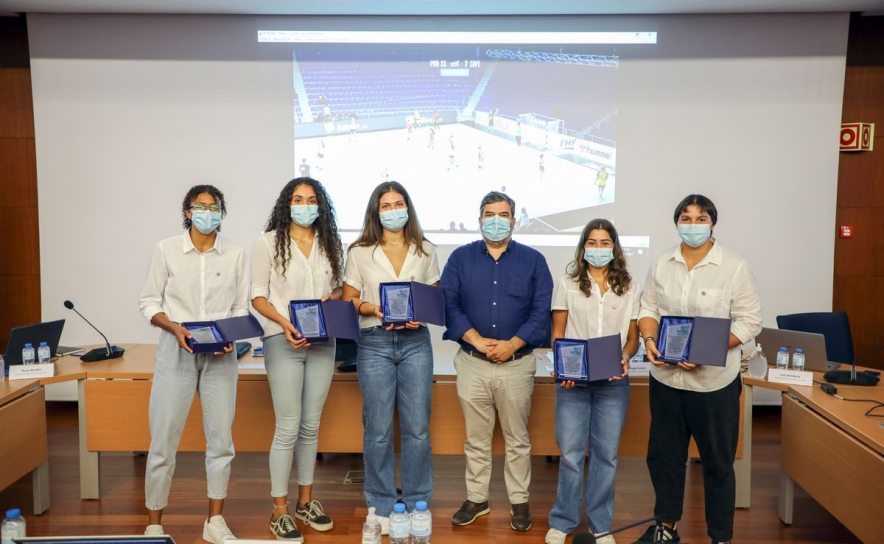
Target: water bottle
<point>798,360</point>
<point>400,525</point>
<point>782,359</point>
<point>421,524</point>
<point>28,355</point>
<point>371,531</point>
<point>43,353</point>
<point>758,363</point>
<point>13,526</point>
<point>2,367</point>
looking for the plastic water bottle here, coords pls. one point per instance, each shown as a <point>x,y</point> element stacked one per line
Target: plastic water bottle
<point>421,524</point>
<point>371,531</point>
<point>758,363</point>
<point>28,355</point>
<point>400,525</point>
<point>43,353</point>
<point>798,359</point>
<point>782,359</point>
<point>14,526</point>
<point>2,367</point>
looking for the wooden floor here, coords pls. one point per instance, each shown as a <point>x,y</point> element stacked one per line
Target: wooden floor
<point>121,509</point>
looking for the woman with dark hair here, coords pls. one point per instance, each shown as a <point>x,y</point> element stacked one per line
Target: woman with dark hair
<point>395,363</point>
<point>298,257</point>
<point>195,276</point>
<point>698,277</point>
<point>595,297</point>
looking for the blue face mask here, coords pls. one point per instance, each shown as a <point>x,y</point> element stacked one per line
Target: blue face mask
<point>496,228</point>
<point>206,221</point>
<point>694,235</point>
<point>394,220</point>
<point>305,215</point>
<point>598,257</point>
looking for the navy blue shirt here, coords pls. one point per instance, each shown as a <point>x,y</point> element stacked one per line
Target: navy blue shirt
<point>511,296</point>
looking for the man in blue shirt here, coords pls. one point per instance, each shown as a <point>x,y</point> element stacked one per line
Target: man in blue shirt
<point>497,307</point>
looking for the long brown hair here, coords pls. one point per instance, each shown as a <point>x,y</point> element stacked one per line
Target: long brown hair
<point>325,227</point>
<point>373,231</point>
<point>616,272</point>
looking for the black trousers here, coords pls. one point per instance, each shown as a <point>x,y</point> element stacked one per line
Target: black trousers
<point>713,419</point>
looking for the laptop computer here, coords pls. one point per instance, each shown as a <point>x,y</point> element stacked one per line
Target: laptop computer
<point>49,332</point>
<point>814,346</point>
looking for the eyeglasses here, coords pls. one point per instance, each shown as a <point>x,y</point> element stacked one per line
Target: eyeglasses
<point>214,208</point>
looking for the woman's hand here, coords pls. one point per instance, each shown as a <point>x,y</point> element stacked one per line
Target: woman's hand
<point>293,335</point>
<point>625,362</point>
<point>652,352</point>
<point>227,349</point>
<point>684,365</point>
<point>567,384</point>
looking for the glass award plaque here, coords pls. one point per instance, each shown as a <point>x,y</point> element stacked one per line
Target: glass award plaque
<point>674,338</point>
<point>571,361</point>
<point>396,302</point>
<point>308,319</point>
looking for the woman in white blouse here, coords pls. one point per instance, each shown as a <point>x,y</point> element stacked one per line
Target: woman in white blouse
<point>395,363</point>
<point>298,257</point>
<point>596,297</point>
<point>698,277</point>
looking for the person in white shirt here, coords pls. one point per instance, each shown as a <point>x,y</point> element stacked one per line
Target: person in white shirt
<point>196,276</point>
<point>394,363</point>
<point>696,278</point>
<point>299,257</point>
<point>596,297</point>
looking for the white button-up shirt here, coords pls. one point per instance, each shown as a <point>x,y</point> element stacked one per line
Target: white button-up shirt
<point>188,285</point>
<point>368,267</point>
<point>305,277</point>
<point>720,285</point>
<point>596,315</point>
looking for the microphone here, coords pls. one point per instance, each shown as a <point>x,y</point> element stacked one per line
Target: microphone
<point>852,377</point>
<point>589,538</point>
<point>97,354</point>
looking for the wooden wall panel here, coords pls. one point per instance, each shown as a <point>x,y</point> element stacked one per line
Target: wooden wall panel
<point>21,256</point>
<point>19,303</point>
<point>860,174</point>
<point>860,255</point>
<point>18,172</point>
<point>17,105</point>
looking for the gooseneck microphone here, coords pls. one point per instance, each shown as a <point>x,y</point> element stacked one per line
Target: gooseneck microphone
<point>852,377</point>
<point>589,538</point>
<point>97,354</point>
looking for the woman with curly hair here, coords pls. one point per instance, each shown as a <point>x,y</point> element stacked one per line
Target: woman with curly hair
<point>298,257</point>
<point>596,297</point>
<point>395,363</point>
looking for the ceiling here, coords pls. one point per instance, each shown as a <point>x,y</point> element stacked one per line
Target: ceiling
<point>439,7</point>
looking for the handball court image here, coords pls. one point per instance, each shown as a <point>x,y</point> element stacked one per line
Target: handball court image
<point>248,505</point>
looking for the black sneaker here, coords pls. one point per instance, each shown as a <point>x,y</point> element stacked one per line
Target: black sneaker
<point>659,533</point>
<point>521,517</point>
<point>284,528</point>
<point>468,512</point>
<point>312,514</point>
<point>721,542</point>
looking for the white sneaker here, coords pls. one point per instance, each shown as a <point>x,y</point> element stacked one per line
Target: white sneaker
<point>215,530</point>
<point>385,525</point>
<point>554,536</point>
<point>154,530</point>
<point>607,539</point>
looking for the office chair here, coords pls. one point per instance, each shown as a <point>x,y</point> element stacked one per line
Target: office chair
<point>834,327</point>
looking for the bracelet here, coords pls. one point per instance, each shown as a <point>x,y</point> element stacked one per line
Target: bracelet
<point>626,356</point>
<point>650,338</point>
<point>359,308</point>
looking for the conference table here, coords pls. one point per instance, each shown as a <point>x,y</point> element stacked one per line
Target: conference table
<point>114,395</point>
<point>24,446</point>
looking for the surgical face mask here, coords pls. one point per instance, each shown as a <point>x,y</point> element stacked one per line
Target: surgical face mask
<point>305,215</point>
<point>598,257</point>
<point>206,221</point>
<point>696,234</point>
<point>394,220</point>
<point>496,228</point>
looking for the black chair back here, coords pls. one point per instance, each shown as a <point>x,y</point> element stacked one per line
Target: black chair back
<point>834,326</point>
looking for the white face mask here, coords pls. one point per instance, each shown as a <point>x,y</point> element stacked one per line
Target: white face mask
<point>598,257</point>
<point>696,234</point>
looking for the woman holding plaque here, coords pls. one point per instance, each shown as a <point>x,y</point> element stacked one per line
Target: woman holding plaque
<point>395,361</point>
<point>697,278</point>
<point>299,257</point>
<point>171,296</point>
<point>595,297</point>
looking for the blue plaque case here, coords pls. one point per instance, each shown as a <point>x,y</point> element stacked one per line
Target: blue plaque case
<point>225,331</point>
<point>602,358</point>
<point>708,342</point>
<point>337,319</point>
<point>426,303</point>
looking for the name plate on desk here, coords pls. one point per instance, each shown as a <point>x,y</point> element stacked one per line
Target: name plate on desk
<point>790,377</point>
<point>27,372</point>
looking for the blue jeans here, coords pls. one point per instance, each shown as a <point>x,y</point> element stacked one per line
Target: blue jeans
<point>594,414</point>
<point>396,368</point>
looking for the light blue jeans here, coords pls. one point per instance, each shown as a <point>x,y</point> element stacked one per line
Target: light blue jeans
<point>299,383</point>
<point>396,368</point>
<point>178,376</point>
<point>593,415</point>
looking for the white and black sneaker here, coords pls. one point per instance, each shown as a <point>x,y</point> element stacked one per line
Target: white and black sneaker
<point>284,528</point>
<point>312,514</point>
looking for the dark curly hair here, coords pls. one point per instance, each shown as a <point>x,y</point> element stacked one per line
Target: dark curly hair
<point>325,226</point>
<point>616,272</point>
<point>373,231</point>
<point>196,191</point>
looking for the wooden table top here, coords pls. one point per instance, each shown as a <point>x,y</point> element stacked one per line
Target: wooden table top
<point>13,389</point>
<point>848,416</point>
